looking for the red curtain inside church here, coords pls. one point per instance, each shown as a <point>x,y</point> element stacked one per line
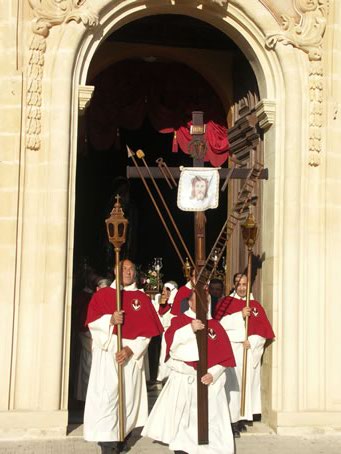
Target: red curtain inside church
<point>167,93</point>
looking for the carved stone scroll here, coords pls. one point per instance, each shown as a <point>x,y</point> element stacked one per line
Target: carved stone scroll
<point>307,33</point>
<point>48,13</point>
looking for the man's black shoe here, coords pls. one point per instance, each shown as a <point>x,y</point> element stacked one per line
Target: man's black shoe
<point>242,426</point>
<point>107,447</point>
<point>111,447</point>
<point>235,430</point>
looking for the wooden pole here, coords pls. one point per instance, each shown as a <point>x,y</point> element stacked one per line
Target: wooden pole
<point>119,347</point>
<point>201,314</point>
<point>166,208</point>
<point>131,155</point>
<point>248,291</point>
<point>116,229</point>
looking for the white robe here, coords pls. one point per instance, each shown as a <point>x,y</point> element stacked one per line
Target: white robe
<point>235,327</point>
<point>101,406</point>
<point>163,369</point>
<point>173,419</point>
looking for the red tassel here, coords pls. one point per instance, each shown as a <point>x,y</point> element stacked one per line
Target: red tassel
<point>175,146</point>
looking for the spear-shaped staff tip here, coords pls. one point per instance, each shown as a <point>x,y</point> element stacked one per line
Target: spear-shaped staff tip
<point>130,152</point>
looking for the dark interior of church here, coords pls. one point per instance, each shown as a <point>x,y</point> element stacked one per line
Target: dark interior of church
<point>102,164</point>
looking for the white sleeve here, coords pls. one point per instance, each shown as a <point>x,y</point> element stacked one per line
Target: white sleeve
<point>138,346</point>
<point>103,338</point>
<point>166,319</point>
<point>216,371</point>
<point>234,325</point>
<point>101,332</point>
<point>257,348</point>
<point>184,346</point>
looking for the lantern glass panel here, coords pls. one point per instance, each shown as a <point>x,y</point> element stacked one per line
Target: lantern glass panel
<point>120,230</point>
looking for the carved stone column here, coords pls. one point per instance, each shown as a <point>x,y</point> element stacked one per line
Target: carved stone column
<point>306,34</point>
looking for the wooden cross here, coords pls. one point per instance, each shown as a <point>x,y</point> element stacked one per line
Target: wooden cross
<point>198,148</point>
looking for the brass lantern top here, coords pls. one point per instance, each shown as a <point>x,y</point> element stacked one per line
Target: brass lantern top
<point>249,230</point>
<point>117,225</point>
<point>187,269</point>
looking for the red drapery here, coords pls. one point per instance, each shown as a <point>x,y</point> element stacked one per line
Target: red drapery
<point>167,93</point>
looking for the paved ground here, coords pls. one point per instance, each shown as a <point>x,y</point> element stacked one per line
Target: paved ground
<point>260,441</point>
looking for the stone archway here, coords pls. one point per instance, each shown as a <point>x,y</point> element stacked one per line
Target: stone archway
<point>64,42</point>
<point>266,86</point>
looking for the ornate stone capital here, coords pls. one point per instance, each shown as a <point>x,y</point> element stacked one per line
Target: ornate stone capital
<point>85,93</point>
<point>306,33</point>
<point>265,111</point>
<point>49,13</point>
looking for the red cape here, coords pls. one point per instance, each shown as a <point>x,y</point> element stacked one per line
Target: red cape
<point>219,350</point>
<point>140,317</point>
<point>258,321</point>
<point>182,293</point>
<point>164,308</point>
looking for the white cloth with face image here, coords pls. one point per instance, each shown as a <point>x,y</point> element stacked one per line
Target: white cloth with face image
<point>198,188</point>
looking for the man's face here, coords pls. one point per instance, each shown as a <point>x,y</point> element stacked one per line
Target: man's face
<point>192,302</point>
<point>241,287</point>
<point>166,292</point>
<point>128,273</point>
<point>236,280</point>
<point>216,290</point>
<point>200,190</point>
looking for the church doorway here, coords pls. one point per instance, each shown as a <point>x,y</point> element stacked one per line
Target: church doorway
<point>171,62</point>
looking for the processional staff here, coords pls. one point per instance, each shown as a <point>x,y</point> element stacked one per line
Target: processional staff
<point>140,154</point>
<point>116,230</point>
<point>249,232</point>
<point>131,155</point>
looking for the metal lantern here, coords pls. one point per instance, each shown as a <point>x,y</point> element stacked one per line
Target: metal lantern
<point>157,266</point>
<point>117,230</point>
<point>187,269</point>
<point>117,225</point>
<point>249,231</point>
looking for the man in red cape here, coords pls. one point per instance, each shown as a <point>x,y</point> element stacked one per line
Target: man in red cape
<point>139,322</point>
<point>231,311</point>
<point>180,303</point>
<point>173,419</point>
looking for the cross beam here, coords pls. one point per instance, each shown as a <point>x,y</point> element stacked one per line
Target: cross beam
<point>237,174</point>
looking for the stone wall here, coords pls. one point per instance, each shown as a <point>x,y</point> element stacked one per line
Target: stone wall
<point>38,134</point>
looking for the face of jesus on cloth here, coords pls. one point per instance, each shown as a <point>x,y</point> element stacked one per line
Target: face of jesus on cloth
<point>199,188</point>
<point>128,273</point>
<point>241,287</point>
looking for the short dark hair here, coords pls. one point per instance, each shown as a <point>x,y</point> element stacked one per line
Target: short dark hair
<point>235,276</point>
<point>217,281</point>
